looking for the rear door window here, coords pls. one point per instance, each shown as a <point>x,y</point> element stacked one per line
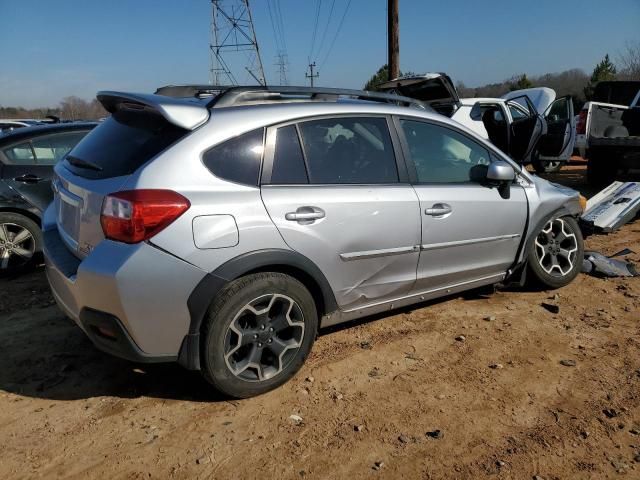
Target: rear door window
<point>237,160</point>
<point>349,151</point>
<point>20,154</point>
<point>288,160</point>
<point>121,144</point>
<point>50,149</point>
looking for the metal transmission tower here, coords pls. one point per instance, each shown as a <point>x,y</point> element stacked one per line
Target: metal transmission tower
<point>233,43</point>
<point>282,64</point>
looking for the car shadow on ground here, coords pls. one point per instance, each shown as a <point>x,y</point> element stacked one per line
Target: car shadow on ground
<point>45,355</point>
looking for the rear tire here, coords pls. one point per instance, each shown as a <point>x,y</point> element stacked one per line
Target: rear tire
<point>545,166</point>
<point>555,256</point>
<point>257,334</point>
<point>20,243</point>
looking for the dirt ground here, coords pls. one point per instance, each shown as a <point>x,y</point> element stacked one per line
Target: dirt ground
<point>371,398</point>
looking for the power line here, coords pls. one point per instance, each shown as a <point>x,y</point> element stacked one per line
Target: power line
<point>274,27</point>
<point>281,24</point>
<point>336,35</point>
<point>277,26</point>
<point>315,28</point>
<point>326,27</point>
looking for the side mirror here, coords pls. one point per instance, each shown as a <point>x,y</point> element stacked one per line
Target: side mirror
<point>500,172</point>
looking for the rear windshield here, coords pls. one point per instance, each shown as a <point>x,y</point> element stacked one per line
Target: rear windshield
<point>121,144</point>
<point>619,93</point>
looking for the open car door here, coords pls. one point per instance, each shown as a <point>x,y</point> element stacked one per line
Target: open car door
<point>557,144</point>
<point>434,89</point>
<point>525,128</point>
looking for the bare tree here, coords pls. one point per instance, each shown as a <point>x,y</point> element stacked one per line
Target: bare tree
<point>75,108</point>
<point>629,62</point>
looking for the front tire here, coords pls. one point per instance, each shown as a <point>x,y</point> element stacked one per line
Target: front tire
<point>258,333</point>
<point>555,256</point>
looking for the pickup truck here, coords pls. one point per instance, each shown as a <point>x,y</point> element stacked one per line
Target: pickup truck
<point>608,131</point>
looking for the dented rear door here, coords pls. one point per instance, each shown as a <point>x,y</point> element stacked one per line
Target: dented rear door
<point>342,206</point>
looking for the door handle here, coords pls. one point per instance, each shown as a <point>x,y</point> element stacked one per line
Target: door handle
<point>438,209</point>
<point>28,178</point>
<point>305,214</point>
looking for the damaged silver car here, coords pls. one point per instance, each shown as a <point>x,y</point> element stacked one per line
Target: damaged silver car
<point>221,229</point>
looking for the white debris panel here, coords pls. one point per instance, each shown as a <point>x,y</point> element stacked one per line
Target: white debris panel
<point>614,206</point>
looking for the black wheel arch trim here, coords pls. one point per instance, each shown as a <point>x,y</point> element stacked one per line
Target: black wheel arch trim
<point>257,260</point>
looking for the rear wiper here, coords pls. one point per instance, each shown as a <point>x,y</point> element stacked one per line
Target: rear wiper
<point>78,162</point>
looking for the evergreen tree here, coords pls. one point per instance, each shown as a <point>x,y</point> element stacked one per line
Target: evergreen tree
<point>520,83</point>
<point>605,70</point>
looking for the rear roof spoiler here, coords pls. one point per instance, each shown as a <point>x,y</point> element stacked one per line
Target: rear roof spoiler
<point>182,112</point>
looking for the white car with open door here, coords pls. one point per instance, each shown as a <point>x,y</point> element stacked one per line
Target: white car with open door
<point>530,125</point>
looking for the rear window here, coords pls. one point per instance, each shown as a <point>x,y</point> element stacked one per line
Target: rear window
<point>619,93</point>
<point>121,144</point>
<point>237,160</point>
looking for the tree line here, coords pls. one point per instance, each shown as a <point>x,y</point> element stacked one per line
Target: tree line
<point>70,108</point>
<point>575,82</point>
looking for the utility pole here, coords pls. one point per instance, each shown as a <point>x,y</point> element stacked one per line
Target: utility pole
<point>394,39</point>
<point>233,44</point>
<point>312,76</point>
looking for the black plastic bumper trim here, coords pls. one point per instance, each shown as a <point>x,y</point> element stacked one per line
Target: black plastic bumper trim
<point>120,344</point>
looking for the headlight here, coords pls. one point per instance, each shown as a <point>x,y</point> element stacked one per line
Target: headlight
<point>583,202</point>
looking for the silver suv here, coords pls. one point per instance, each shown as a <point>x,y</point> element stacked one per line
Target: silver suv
<point>223,229</point>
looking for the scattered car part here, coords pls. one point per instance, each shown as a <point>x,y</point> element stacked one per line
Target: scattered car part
<point>612,207</point>
<point>597,264</point>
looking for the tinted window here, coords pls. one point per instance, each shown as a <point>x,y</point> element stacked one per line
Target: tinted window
<point>121,144</point>
<point>51,148</point>
<point>288,162</point>
<point>20,154</point>
<point>440,154</point>
<point>349,150</point>
<point>237,160</point>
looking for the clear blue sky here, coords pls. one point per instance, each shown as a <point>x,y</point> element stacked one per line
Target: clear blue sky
<point>53,48</point>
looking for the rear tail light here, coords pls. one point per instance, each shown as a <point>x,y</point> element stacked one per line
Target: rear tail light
<point>581,126</point>
<point>136,215</point>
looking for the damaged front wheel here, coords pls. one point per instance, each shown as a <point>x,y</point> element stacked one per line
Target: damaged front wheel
<point>555,256</point>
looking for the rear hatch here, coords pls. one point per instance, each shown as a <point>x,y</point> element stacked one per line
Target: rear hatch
<point>435,89</point>
<point>140,127</point>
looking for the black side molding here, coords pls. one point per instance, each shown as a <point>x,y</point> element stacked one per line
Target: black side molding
<point>201,297</point>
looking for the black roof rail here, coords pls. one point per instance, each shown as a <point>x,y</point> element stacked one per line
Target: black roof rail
<point>187,91</point>
<point>229,95</point>
<point>232,96</point>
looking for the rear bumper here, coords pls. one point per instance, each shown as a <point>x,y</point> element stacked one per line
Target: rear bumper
<point>136,291</point>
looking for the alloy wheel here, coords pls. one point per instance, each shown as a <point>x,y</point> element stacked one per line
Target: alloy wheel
<point>17,245</point>
<point>264,337</point>
<point>552,166</point>
<point>556,247</point>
